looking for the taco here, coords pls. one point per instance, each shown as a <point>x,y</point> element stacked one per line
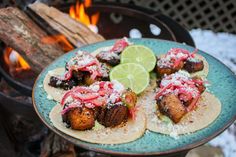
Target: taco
<point>180,59</point>
<point>179,105</point>
<point>103,112</point>
<point>84,69</point>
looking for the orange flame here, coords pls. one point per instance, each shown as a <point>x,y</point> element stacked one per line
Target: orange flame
<point>78,13</point>
<point>87,3</point>
<point>60,39</point>
<point>14,60</point>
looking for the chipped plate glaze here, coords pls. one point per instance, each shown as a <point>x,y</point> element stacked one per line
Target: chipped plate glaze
<point>223,83</point>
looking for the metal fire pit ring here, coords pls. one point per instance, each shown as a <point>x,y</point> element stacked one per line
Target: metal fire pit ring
<point>174,28</point>
<point>22,88</point>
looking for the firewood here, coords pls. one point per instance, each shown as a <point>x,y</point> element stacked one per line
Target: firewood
<point>54,146</point>
<point>76,32</point>
<point>18,31</point>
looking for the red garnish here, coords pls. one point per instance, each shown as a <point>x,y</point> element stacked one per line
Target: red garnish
<point>193,104</point>
<point>90,97</point>
<point>119,45</point>
<point>182,86</point>
<point>132,112</point>
<point>74,90</point>
<point>175,51</point>
<point>163,90</point>
<point>74,105</point>
<point>86,96</point>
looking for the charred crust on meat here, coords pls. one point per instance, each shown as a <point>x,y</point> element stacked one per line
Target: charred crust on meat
<point>193,65</point>
<point>112,60</point>
<point>113,115</point>
<point>171,106</point>
<point>63,84</point>
<point>80,118</point>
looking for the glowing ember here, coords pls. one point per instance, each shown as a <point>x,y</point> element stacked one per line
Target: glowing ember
<point>15,61</point>
<point>60,39</point>
<point>78,13</point>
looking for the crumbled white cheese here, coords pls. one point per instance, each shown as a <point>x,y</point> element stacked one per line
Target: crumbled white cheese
<point>117,86</point>
<point>49,97</point>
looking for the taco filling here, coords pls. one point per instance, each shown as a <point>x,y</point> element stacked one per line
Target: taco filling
<point>112,56</point>
<point>178,94</point>
<point>178,58</point>
<point>107,102</point>
<point>82,69</point>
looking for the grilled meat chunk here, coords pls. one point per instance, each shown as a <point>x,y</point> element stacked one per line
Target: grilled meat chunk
<point>200,86</point>
<point>78,75</point>
<point>57,83</point>
<point>80,118</point>
<point>88,80</point>
<point>168,70</point>
<point>193,65</point>
<point>112,115</point>
<point>105,71</point>
<point>110,58</point>
<point>171,106</point>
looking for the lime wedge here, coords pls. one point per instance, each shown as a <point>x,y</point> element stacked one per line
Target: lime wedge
<point>139,54</point>
<point>131,75</point>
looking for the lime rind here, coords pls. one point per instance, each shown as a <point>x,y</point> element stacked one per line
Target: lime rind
<point>139,54</point>
<point>131,75</point>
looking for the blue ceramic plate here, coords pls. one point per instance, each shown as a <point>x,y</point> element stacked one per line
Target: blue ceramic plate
<point>223,85</point>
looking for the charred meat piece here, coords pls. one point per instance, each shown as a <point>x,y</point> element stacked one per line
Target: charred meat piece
<point>78,75</point>
<point>164,70</point>
<point>57,83</point>
<point>110,58</point>
<point>88,80</point>
<point>161,70</point>
<point>105,75</point>
<point>112,115</point>
<point>80,118</point>
<point>171,106</point>
<point>200,86</point>
<point>193,65</point>
<point>105,71</point>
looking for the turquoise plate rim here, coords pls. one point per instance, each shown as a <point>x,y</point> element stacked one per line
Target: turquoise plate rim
<point>101,150</point>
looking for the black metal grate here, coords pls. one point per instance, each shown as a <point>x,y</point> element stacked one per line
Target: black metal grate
<point>217,15</point>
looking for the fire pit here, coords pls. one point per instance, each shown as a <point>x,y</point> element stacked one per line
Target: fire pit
<point>112,21</point>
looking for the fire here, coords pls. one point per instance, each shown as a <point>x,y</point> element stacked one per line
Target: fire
<point>78,13</point>
<point>14,60</point>
<point>60,39</point>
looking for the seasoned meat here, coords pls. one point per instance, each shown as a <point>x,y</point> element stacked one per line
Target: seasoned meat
<point>105,71</point>
<point>57,83</point>
<point>164,70</point>
<point>171,106</point>
<point>88,80</point>
<point>105,75</point>
<point>193,65</point>
<point>129,98</point>
<point>80,118</point>
<point>187,103</point>
<point>200,86</point>
<point>167,70</point>
<point>109,58</point>
<point>78,75</point>
<point>112,115</point>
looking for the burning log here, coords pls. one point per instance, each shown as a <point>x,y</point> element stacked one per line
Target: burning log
<point>76,32</point>
<point>18,31</point>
